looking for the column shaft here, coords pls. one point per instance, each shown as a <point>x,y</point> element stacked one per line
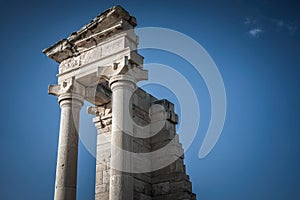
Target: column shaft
<point>121,183</point>
<point>66,169</point>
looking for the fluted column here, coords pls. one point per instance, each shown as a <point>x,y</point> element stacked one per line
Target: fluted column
<point>67,156</point>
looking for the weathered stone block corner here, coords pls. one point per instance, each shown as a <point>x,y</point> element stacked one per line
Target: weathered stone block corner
<point>100,64</point>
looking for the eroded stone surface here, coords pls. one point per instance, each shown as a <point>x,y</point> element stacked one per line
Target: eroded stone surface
<point>105,25</point>
<point>100,63</point>
<point>169,182</point>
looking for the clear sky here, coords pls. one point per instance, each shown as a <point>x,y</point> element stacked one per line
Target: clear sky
<point>256,46</point>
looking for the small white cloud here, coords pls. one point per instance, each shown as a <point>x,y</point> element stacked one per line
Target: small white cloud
<point>292,28</point>
<point>256,32</point>
<point>249,21</point>
<point>280,23</point>
<point>252,26</point>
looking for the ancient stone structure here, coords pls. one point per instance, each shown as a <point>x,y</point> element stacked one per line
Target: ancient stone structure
<point>139,155</point>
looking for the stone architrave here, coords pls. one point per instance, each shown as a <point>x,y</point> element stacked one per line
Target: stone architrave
<point>100,64</point>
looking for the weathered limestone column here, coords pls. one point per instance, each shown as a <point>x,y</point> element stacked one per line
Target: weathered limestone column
<point>121,183</point>
<point>66,168</point>
<point>106,51</point>
<point>122,86</point>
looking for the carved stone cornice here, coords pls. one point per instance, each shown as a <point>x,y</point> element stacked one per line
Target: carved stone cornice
<point>105,25</point>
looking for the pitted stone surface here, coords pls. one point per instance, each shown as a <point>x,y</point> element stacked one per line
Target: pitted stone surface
<point>100,63</point>
<point>105,25</point>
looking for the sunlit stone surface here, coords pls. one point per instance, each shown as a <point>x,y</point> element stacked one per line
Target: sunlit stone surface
<point>139,155</point>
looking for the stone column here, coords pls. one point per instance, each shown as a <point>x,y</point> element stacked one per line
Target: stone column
<point>66,168</point>
<point>121,183</point>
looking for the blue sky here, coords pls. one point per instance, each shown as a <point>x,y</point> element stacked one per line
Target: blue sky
<point>256,46</point>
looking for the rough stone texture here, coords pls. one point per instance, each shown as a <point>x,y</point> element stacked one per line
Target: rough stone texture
<point>102,120</point>
<point>170,182</point>
<point>99,63</point>
<point>107,24</point>
<point>70,100</point>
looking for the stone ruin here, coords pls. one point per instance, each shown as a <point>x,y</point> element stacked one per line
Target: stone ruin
<point>139,155</point>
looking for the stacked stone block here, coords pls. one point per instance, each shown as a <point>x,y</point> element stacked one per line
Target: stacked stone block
<point>102,122</point>
<point>100,64</point>
<point>169,182</point>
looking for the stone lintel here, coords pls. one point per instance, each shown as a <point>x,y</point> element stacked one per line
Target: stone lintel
<point>107,52</point>
<point>98,95</point>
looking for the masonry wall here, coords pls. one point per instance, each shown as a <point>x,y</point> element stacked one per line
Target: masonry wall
<point>170,182</point>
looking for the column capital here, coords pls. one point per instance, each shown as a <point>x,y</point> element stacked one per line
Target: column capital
<point>68,92</point>
<point>133,75</point>
<point>67,86</point>
<point>103,115</point>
